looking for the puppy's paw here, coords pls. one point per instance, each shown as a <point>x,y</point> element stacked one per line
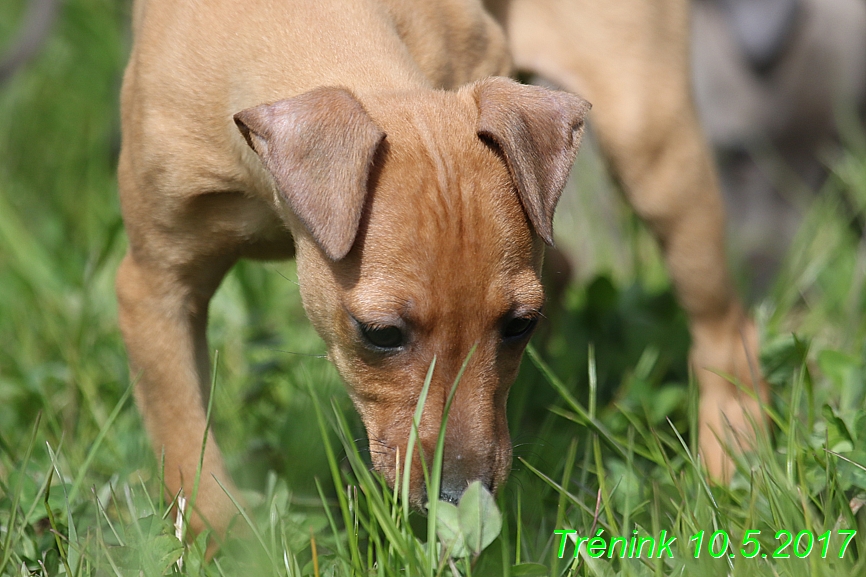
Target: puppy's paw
<point>725,359</point>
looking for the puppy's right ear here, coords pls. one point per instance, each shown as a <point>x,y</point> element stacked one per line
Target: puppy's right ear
<point>319,147</point>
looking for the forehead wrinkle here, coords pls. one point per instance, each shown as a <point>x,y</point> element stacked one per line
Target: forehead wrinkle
<point>450,236</point>
<point>470,212</point>
<point>430,148</point>
<point>452,195</point>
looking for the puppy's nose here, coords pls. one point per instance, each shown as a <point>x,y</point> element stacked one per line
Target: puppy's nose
<point>457,473</point>
<point>452,493</point>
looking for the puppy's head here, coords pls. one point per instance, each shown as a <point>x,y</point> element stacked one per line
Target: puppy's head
<point>418,220</point>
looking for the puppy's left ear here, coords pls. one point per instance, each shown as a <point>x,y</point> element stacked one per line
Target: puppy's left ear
<point>538,132</point>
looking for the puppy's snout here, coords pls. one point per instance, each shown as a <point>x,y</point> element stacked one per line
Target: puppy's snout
<point>451,491</point>
<point>476,445</point>
<point>457,475</point>
<point>458,472</point>
<point>451,494</point>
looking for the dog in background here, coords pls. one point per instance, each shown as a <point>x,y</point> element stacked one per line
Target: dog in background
<point>774,82</point>
<point>374,142</point>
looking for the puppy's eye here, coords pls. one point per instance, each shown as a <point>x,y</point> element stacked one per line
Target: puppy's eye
<point>383,337</point>
<point>519,327</point>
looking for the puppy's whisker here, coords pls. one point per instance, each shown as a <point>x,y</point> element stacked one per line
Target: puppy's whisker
<point>515,481</point>
<point>294,282</point>
<point>383,443</point>
<point>299,354</point>
<point>527,444</point>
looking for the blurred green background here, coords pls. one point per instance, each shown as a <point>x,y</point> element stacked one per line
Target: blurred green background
<point>62,358</point>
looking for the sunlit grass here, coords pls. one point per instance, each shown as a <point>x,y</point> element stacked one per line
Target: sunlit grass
<point>602,415</point>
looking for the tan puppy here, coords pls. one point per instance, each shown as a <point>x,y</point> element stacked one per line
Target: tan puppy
<point>266,128</point>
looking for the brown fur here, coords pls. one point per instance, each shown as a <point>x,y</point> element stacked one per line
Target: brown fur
<point>364,138</point>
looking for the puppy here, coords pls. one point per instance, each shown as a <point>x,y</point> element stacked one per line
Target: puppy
<point>372,141</point>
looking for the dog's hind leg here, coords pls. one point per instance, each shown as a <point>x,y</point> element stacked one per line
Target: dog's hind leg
<point>630,60</point>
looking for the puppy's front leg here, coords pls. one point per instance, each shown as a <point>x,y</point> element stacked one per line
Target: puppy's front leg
<point>163,316</point>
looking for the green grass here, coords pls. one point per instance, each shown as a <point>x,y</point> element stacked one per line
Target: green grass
<point>601,416</point>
